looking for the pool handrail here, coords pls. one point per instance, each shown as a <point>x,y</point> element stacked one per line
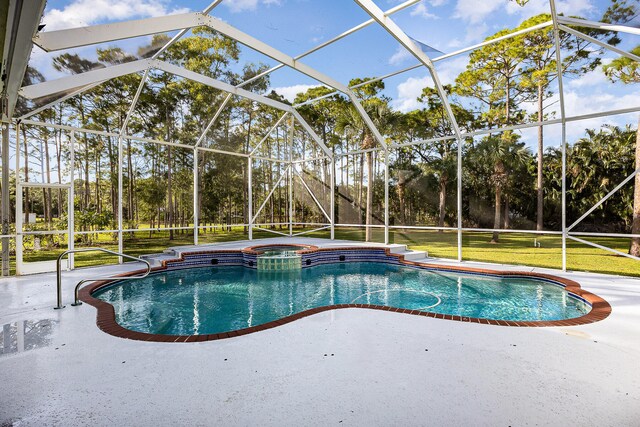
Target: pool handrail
<point>76,301</point>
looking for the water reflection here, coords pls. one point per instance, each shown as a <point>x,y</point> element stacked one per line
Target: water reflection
<point>25,335</point>
<point>201,301</point>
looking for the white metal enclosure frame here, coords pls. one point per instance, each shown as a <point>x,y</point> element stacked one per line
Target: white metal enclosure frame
<point>77,84</point>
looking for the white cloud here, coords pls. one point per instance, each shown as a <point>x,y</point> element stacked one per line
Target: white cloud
<point>536,7</point>
<point>290,92</point>
<point>587,80</point>
<point>474,11</point>
<point>410,89</point>
<point>81,13</point>
<point>422,11</point>
<point>583,102</point>
<point>236,6</point>
<point>450,69</point>
<point>408,92</point>
<point>401,55</point>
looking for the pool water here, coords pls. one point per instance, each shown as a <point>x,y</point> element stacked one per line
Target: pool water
<point>223,299</point>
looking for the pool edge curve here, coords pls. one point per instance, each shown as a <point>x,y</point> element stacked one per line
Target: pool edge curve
<point>106,321</point>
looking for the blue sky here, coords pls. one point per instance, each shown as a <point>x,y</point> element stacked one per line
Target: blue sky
<point>294,26</point>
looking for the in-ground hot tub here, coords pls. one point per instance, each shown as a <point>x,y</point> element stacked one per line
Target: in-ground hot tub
<point>279,257</point>
<point>179,304</point>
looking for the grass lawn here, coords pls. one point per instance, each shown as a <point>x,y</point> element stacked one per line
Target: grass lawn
<point>514,248</point>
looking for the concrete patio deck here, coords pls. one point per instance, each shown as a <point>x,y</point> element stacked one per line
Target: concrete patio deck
<point>348,367</point>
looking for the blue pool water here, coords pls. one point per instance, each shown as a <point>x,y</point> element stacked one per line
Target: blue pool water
<point>223,299</point>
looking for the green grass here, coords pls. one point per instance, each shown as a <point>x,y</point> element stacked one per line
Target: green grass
<point>513,248</point>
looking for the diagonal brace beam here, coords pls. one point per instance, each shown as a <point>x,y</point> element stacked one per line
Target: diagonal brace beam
<point>285,173</point>
<point>213,120</point>
<point>604,199</point>
<point>311,194</point>
<point>268,134</point>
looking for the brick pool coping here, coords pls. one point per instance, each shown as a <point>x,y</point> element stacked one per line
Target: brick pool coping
<point>106,321</point>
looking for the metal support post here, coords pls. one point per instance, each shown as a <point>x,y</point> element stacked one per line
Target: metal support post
<point>290,172</point>
<point>70,201</point>
<point>196,218</point>
<point>333,197</point>
<point>563,117</point>
<point>250,194</point>
<point>120,197</point>
<point>5,199</point>
<point>386,195</point>
<point>459,199</point>
<point>19,202</point>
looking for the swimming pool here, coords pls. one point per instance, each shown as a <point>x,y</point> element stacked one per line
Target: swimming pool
<point>218,302</point>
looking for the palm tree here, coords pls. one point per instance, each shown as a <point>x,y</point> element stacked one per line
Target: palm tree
<point>499,155</point>
<point>596,164</point>
<point>352,124</point>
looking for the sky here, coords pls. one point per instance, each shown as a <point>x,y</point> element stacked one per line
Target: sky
<point>295,26</point>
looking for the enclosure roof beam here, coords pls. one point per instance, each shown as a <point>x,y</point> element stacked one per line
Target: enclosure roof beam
<point>71,82</point>
<point>76,37</point>
<point>291,62</point>
<point>52,41</point>
<point>59,100</point>
<point>598,42</point>
<point>311,132</point>
<point>83,36</point>
<point>143,80</point>
<point>75,81</point>
<point>392,28</point>
<point>438,58</point>
<point>184,31</point>
<point>598,25</point>
<point>20,22</point>
<point>217,84</point>
<point>350,31</point>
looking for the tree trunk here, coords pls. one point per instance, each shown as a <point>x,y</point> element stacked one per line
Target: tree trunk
<point>496,218</point>
<point>540,183</point>
<point>442,202</point>
<point>507,218</point>
<point>401,200</point>
<point>635,225</point>
<point>361,187</point>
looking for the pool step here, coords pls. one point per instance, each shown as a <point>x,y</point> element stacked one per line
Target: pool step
<point>156,259</point>
<point>408,254</point>
<point>413,255</point>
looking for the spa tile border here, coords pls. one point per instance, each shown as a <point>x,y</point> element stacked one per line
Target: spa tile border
<point>600,308</point>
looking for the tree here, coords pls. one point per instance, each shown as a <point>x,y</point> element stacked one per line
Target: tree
<point>496,157</point>
<point>540,70</point>
<point>627,71</point>
<point>492,78</point>
<point>351,122</point>
<point>440,156</point>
